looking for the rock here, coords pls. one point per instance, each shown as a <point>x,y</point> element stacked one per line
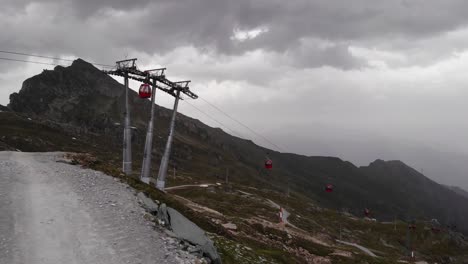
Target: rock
<point>187,230</point>
<point>170,233</point>
<point>193,249</point>
<point>162,215</point>
<point>148,217</point>
<point>230,226</point>
<point>216,221</point>
<point>148,204</point>
<point>4,109</point>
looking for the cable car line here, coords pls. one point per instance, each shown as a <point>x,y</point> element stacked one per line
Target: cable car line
<point>144,92</point>
<point>244,125</point>
<point>28,61</point>
<point>105,65</point>
<point>212,118</point>
<point>48,57</point>
<point>56,64</point>
<point>34,62</point>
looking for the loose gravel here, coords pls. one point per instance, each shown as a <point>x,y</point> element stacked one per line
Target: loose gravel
<point>55,213</point>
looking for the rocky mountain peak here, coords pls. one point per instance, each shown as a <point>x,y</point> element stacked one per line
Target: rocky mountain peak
<point>60,94</point>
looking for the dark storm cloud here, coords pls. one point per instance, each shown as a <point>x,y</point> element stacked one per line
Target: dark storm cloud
<point>211,22</point>
<point>160,26</point>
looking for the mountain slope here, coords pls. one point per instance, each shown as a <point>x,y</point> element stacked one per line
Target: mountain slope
<point>458,190</point>
<point>416,195</point>
<point>86,102</point>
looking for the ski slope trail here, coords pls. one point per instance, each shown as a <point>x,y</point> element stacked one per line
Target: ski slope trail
<point>56,213</point>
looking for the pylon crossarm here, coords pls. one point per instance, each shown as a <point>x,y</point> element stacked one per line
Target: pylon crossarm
<point>142,76</point>
<point>156,72</point>
<point>128,64</point>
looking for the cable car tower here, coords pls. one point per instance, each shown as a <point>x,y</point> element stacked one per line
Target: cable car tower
<point>157,79</point>
<point>123,67</point>
<point>145,92</point>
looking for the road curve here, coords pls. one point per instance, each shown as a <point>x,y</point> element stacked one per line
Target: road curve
<point>179,187</point>
<point>364,249</point>
<point>285,215</point>
<point>55,213</point>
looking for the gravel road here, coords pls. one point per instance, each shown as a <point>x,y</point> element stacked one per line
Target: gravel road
<point>56,213</point>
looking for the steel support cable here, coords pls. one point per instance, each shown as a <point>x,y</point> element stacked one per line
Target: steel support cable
<point>213,119</point>
<point>242,124</point>
<point>48,57</point>
<point>28,61</point>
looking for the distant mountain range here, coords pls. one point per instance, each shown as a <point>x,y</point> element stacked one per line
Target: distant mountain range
<point>82,101</point>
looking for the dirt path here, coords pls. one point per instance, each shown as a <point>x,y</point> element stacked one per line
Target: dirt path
<point>187,186</point>
<point>363,249</point>
<point>286,214</point>
<point>57,213</point>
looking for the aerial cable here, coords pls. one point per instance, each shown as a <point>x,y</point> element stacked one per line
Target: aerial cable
<point>48,57</point>
<point>242,124</point>
<point>28,61</point>
<point>218,122</point>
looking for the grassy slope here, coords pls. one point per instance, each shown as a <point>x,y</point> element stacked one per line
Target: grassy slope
<point>253,242</point>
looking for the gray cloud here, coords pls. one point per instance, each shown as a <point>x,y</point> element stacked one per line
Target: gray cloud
<point>159,26</point>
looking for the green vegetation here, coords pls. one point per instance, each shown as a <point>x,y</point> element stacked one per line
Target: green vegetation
<point>234,252</point>
<point>252,242</point>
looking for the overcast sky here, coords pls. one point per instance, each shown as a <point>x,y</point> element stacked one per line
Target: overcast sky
<point>359,79</point>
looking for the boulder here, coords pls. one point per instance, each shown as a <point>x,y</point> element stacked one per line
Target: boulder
<point>187,230</point>
<point>163,216</point>
<point>147,203</point>
<point>4,109</point>
<point>230,226</point>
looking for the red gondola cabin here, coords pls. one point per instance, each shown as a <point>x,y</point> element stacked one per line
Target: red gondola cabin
<point>268,164</point>
<point>145,91</point>
<point>367,212</point>
<point>329,188</point>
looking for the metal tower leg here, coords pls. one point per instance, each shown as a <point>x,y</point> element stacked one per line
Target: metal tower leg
<point>127,144</point>
<point>161,182</point>
<point>146,166</point>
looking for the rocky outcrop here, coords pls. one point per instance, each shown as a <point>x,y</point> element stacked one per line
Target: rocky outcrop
<point>80,95</point>
<point>187,230</point>
<point>4,109</point>
<point>181,228</point>
<point>147,203</point>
